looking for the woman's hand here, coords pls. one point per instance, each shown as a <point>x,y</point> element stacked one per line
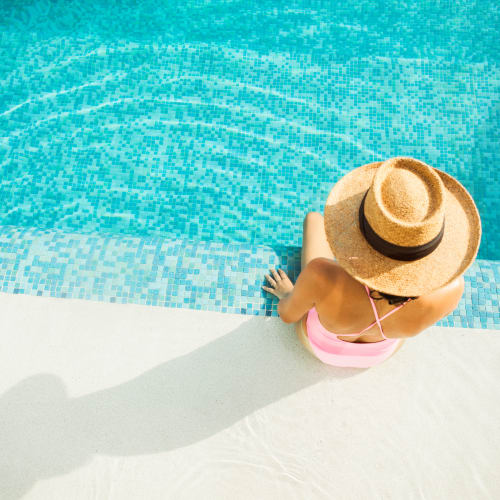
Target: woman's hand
<point>280,284</point>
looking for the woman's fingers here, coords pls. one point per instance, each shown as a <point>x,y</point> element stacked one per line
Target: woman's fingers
<point>283,274</point>
<point>270,280</point>
<point>280,283</point>
<point>275,274</point>
<point>270,290</point>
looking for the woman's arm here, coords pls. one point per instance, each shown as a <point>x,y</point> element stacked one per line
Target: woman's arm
<point>437,305</point>
<point>296,300</point>
<point>442,302</point>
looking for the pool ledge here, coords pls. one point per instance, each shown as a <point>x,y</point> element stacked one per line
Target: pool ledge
<point>183,273</point>
<point>128,402</point>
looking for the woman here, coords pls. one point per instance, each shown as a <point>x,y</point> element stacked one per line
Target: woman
<point>403,233</point>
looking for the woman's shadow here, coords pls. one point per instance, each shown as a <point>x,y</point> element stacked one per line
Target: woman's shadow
<point>43,433</point>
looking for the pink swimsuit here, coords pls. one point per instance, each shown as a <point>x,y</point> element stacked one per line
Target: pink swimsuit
<point>333,351</point>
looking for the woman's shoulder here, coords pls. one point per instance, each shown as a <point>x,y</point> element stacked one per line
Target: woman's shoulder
<point>430,308</point>
<point>344,294</point>
<point>335,281</point>
<point>327,268</point>
<point>445,299</point>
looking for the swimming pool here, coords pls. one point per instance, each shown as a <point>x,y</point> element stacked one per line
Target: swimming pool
<point>167,154</point>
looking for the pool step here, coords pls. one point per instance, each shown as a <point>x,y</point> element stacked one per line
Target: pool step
<point>183,273</point>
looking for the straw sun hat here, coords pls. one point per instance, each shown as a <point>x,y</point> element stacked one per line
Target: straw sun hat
<point>402,227</point>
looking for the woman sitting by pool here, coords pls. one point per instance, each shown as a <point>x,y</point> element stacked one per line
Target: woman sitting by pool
<point>403,234</point>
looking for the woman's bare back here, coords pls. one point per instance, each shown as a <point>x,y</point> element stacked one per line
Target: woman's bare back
<point>346,307</point>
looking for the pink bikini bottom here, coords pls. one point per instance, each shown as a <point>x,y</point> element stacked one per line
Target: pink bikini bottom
<point>333,351</point>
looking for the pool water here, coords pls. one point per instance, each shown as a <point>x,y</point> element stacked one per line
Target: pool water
<point>224,123</point>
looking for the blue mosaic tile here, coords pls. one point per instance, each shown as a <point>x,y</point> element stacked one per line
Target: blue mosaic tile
<point>182,273</point>
<point>165,153</point>
<point>177,119</point>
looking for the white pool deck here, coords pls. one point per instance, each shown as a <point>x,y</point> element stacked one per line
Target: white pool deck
<point>109,401</point>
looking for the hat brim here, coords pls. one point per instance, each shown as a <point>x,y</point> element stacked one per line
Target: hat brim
<point>455,253</point>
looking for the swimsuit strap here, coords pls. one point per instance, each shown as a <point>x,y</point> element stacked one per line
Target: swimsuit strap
<point>377,319</point>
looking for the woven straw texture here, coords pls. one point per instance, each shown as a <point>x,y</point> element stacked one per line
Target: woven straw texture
<point>450,259</point>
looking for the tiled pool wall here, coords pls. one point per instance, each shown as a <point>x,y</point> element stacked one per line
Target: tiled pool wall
<point>175,119</point>
<point>131,133</point>
<point>184,273</point>
<point>136,139</point>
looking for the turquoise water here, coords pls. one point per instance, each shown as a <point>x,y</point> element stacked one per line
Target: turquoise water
<point>228,121</point>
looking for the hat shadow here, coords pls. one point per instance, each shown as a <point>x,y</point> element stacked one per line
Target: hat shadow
<point>46,433</point>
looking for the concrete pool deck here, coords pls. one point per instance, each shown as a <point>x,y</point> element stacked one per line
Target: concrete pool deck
<point>115,401</point>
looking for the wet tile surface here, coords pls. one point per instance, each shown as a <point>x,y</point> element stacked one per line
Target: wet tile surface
<point>130,133</point>
<point>181,273</point>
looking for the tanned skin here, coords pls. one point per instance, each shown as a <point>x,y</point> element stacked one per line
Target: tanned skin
<point>341,301</point>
